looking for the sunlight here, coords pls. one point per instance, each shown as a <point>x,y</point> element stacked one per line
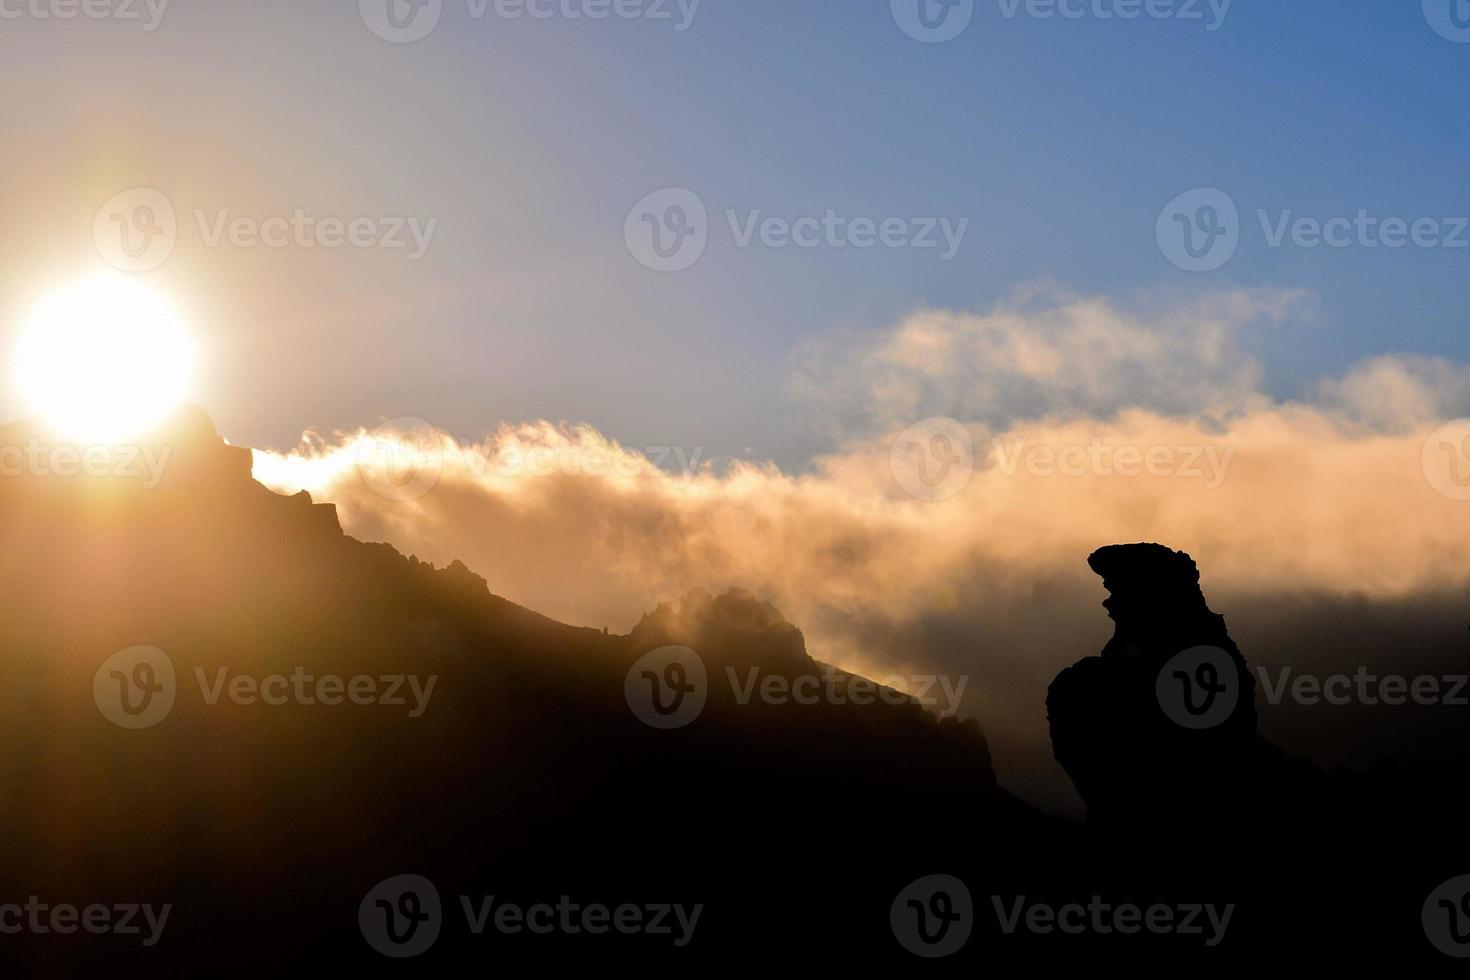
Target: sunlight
<point>104,359</point>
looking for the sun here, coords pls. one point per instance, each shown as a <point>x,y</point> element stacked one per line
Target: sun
<point>104,360</point>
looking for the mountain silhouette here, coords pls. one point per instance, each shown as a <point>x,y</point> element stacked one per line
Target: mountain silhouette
<point>529,776</point>
<point>217,700</point>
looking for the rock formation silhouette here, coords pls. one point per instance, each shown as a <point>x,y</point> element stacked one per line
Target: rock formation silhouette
<point>1134,763</point>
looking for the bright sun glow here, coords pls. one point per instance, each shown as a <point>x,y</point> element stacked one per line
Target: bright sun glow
<point>104,360</point>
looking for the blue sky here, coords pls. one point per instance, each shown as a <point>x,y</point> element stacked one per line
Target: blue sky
<point>529,140</point>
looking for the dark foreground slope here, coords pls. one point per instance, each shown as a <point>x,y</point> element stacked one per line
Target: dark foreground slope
<point>528,775</point>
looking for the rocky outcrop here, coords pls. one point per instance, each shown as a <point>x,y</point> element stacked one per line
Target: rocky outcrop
<point>1160,727</point>
<point>736,627</point>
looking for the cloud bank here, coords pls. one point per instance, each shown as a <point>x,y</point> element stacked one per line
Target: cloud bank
<point>1090,424</point>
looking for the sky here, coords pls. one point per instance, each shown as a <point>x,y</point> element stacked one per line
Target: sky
<point>1059,141</point>
<point>1229,240</point>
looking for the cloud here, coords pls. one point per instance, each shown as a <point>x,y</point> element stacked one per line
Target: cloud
<point>1091,425</point>
<point>1398,392</point>
<point>1044,353</point>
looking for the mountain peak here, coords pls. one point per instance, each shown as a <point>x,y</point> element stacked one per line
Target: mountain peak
<point>735,623</point>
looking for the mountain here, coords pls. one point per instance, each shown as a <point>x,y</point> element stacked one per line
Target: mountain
<point>510,757</point>
<point>265,745</point>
